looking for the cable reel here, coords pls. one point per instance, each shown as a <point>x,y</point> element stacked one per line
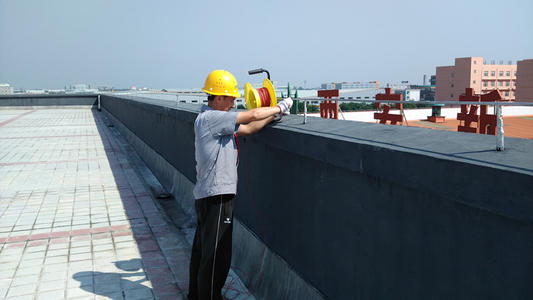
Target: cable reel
<point>261,97</point>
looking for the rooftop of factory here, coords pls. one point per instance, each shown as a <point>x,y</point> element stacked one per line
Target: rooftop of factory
<point>83,214</point>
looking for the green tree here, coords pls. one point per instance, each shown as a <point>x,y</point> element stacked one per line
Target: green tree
<point>310,107</point>
<point>355,106</point>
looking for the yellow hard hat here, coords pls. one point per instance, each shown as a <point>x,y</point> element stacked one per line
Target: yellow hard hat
<point>221,83</point>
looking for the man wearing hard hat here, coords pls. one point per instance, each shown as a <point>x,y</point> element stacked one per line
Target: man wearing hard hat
<point>216,149</point>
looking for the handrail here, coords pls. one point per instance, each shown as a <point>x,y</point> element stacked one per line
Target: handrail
<point>497,104</point>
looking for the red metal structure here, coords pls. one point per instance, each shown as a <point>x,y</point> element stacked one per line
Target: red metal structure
<point>468,112</point>
<point>328,108</point>
<point>487,123</point>
<point>384,116</point>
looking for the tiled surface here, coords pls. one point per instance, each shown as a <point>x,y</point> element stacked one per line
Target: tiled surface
<point>76,221</point>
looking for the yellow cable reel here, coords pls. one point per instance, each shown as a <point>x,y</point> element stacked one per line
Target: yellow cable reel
<point>262,97</point>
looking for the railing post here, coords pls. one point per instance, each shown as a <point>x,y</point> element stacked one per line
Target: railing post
<point>99,108</point>
<point>305,111</point>
<point>499,130</point>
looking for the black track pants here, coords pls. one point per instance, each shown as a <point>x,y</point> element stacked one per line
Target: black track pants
<point>211,250</point>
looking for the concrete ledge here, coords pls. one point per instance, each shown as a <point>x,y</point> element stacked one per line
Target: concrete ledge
<point>48,100</point>
<point>48,107</point>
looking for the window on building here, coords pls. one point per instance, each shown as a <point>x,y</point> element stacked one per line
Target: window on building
<point>492,83</point>
<point>475,62</point>
<point>492,73</point>
<point>451,95</point>
<point>507,83</point>
<point>506,94</point>
<point>515,73</point>
<point>501,73</point>
<point>486,73</point>
<point>451,85</point>
<point>508,73</point>
<point>485,83</point>
<point>500,83</point>
<point>475,71</point>
<point>474,82</point>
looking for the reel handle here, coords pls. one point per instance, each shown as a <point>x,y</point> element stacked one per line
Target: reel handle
<point>258,71</point>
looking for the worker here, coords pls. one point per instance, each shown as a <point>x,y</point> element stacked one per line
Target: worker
<point>216,150</point>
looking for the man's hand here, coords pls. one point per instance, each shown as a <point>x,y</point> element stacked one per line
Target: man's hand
<point>285,106</point>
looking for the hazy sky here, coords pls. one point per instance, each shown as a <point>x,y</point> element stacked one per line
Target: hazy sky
<point>175,44</point>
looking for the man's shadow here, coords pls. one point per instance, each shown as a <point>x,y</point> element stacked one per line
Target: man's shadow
<point>116,286</point>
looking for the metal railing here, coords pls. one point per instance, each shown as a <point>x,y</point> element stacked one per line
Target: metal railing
<point>500,143</point>
<point>200,97</point>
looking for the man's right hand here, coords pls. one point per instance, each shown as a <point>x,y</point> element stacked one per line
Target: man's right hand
<point>285,106</point>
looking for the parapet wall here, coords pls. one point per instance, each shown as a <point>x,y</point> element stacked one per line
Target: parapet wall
<point>368,211</point>
<point>27,100</point>
<point>364,211</point>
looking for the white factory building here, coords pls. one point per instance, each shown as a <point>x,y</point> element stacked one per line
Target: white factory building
<point>5,89</point>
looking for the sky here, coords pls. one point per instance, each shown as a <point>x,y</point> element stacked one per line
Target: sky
<point>175,44</point>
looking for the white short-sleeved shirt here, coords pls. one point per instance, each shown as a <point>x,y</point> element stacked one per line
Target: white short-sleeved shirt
<point>216,153</point>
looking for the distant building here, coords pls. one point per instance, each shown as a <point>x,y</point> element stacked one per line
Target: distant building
<point>472,72</point>
<point>427,94</point>
<point>360,94</point>
<point>350,85</point>
<point>411,94</point>
<point>5,89</point>
<point>35,91</point>
<point>524,80</point>
<point>81,88</point>
<point>358,85</point>
<point>104,88</point>
<point>328,86</point>
<point>433,80</point>
<point>399,87</point>
<point>55,91</point>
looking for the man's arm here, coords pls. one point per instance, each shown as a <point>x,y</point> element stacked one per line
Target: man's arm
<point>255,119</point>
<point>257,114</point>
<point>254,126</point>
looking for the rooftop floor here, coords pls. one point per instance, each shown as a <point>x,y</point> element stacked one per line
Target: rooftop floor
<point>77,219</point>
